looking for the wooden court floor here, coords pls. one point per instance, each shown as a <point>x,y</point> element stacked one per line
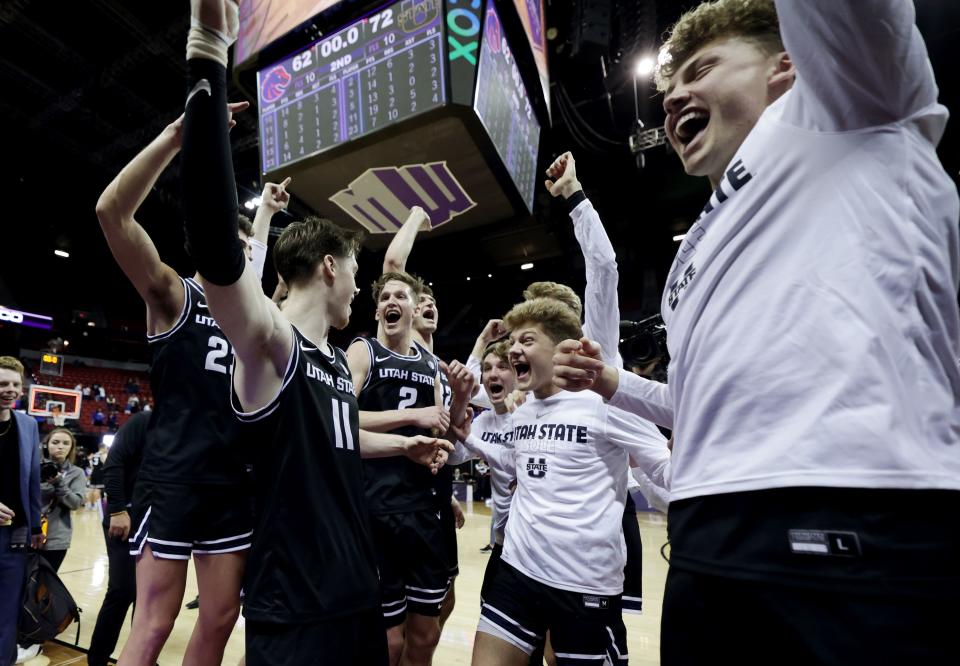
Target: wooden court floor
<point>84,571</point>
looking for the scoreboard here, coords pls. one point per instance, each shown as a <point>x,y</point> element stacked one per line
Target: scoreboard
<point>379,70</point>
<point>504,108</point>
<point>436,103</point>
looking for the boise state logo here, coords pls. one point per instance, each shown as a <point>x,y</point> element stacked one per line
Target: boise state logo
<point>274,84</point>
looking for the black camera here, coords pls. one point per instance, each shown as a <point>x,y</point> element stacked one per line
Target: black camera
<point>645,342</point>
<point>48,470</point>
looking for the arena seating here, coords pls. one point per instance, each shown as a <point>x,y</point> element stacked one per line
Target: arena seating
<point>114,383</point>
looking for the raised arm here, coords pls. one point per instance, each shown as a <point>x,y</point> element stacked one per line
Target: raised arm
<point>158,284</point>
<point>400,247</point>
<point>274,199</point>
<point>860,63</point>
<point>601,308</point>
<point>462,382</point>
<point>261,338</point>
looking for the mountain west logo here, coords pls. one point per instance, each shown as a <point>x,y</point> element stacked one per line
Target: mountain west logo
<point>537,467</point>
<point>381,198</point>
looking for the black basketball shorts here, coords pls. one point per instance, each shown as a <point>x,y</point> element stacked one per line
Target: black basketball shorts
<point>178,519</point>
<point>584,628</point>
<point>411,558</point>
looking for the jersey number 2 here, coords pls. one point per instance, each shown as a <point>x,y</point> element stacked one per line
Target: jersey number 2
<point>219,348</point>
<point>408,397</point>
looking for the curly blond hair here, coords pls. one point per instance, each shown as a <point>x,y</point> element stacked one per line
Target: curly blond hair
<point>556,291</point>
<point>753,20</point>
<point>554,317</point>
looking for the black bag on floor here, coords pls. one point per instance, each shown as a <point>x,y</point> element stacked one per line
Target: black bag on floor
<point>48,608</point>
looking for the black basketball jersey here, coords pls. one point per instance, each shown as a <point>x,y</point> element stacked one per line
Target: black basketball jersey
<point>443,479</point>
<point>193,435</point>
<point>312,556</point>
<point>396,381</point>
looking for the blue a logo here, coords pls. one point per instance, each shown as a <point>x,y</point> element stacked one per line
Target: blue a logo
<point>381,198</point>
<point>537,467</point>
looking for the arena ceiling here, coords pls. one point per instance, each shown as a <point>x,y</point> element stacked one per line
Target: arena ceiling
<point>87,84</point>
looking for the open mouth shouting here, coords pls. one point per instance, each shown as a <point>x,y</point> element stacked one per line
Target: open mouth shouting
<point>429,314</point>
<point>495,390</point>
<point>688,128</point>
<point>522,368</point>
<point>392,316</point>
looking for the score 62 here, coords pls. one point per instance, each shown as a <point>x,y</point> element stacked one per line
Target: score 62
<point>463,23</point>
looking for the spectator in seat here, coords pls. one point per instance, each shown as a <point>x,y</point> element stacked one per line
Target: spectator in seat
<point>99,418</point>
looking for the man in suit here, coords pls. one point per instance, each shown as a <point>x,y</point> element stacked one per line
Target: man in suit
<point>19,501</point>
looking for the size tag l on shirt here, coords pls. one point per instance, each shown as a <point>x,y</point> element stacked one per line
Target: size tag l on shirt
<point>824,542</point>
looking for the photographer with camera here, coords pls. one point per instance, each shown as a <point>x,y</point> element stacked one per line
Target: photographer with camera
<point>62,487</point>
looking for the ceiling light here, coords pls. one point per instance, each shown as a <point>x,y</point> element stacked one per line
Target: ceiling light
<point>61,253</point>
<point>645,66</point>
<point>489,274</point>
<point>91,323</point>
<point>249,205</point>
<point>468,278</point>
<point>526,267</point>
<point>66,343</point>
<point>679,237</point>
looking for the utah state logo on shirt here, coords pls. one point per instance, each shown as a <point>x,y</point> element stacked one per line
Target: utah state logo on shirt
<point>537,467</point>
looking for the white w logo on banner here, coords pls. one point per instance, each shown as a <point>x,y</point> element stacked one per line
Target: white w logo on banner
<point>381,198</point>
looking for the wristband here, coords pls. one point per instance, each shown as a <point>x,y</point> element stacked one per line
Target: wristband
<point>574,200</point>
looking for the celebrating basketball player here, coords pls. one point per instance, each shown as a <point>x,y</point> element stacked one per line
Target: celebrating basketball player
<point>277,373</point>
<point>425,321</point>
<point>813,335</point>
<point>193,479</point>
<point>399,390</point>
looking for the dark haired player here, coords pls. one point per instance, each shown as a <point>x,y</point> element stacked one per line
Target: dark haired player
<point>311,586</point>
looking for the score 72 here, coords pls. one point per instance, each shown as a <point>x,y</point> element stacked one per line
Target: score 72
<point>382,20</point>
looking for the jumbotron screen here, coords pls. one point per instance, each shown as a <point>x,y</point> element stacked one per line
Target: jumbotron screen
<point>503,106</point>
<point>376,71</point>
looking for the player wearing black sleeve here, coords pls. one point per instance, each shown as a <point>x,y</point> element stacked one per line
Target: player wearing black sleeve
<point>311,582</point>
<point>194,461</point>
